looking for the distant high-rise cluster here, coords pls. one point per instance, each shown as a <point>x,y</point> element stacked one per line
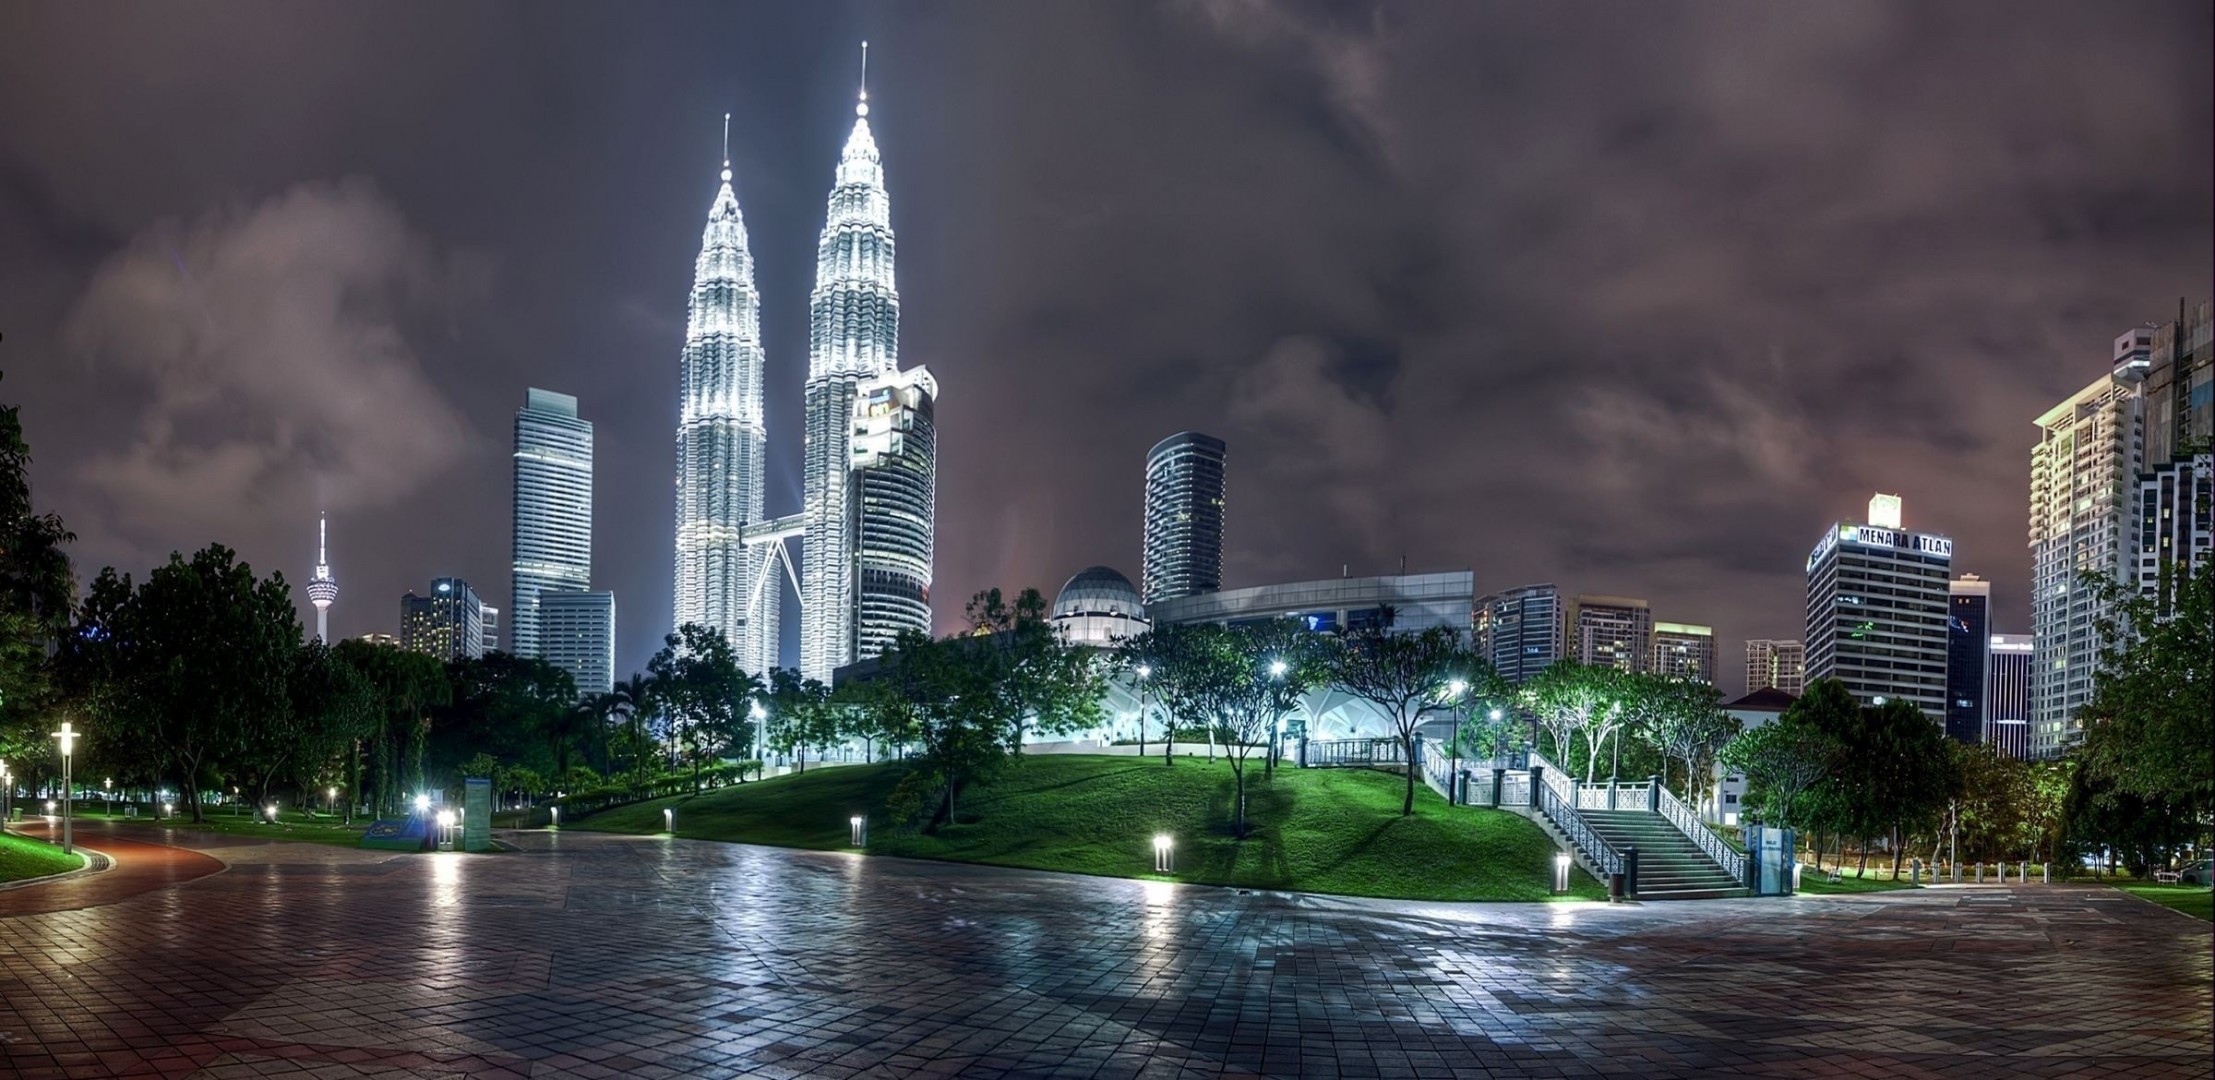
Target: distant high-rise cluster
<point>2119,488</point>
<point>1519,630</point>
<point>1611,631</point>
<point>1184,517</point>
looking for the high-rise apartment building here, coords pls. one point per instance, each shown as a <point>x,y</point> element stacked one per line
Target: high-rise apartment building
<point>2083,488</point>
<point>1778,664</point>
<point>2175,523</point>
<point>853,354</point>
<point>895,479</point>
<point>1684,651</point>
<point>1876,610</point>
<point>451,623</point>
<point>553,510</point>
<point>722,443</point>
<point>1611,631</point>
<point>2007,695</point>
<point>577,634</point>
<point>1968,645</point>
<point>2180,385</point>
<point>1519,630</point>
<point>1184,516</point>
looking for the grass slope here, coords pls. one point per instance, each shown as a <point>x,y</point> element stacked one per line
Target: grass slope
<point>1316,830</point>
<point>2194,900</point>
<point>22,857</point>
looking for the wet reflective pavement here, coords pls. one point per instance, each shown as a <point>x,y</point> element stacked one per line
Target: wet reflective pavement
<point>595,956</point>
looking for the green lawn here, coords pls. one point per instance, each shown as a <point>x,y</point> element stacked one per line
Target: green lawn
<point>2195,900</point>
<point>291,825</point>
<point>22,857</point>
<point>1816,883</point>
<point>1315,830</point>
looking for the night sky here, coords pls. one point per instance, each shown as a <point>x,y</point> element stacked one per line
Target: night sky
<point>1632,298</point>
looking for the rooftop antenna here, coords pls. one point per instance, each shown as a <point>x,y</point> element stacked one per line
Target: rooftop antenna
<point>862,107</point>
<point>726,140</point>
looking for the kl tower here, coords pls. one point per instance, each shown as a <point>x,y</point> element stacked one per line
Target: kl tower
<point>321,589</point>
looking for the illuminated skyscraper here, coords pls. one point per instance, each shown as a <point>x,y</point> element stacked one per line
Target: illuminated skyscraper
<point>720,441</point>
<point>553,510</point>
<point>1684,651</point>
<point>2083,492</point>
<point>576,633</point>
<point>1519,630</point>
<point>1968,656</point>
<point>854,385</point>
<point>1184,517</point>
<point>452,623</point>
<point>1612,631</point>
<point>1876,610</point>
<point>322,588</point>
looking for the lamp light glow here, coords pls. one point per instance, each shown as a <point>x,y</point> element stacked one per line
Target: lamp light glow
<point>1165,854</point>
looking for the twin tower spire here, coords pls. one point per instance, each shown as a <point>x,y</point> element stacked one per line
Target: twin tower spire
<point>869,448</point>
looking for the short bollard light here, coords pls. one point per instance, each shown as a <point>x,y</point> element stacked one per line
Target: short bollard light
<point>1165,854</point>
<point>1561,872</point>
<point>669,819</point>
<point>169,810</point>
<point>2045,873</point>
<point>556,811</point>
<point>49,808</point>
<point>445,828</point>
<point>859,825</point>
<point>2022,873</point>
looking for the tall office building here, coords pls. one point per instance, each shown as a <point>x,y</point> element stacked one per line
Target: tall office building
<point>576,633</point>
<point>1876,609</point>
<point>553,510</point>
<point>2083,485</point>
<point>1184,516</point>
<point>1775,663</point>
<point>721,441</point>
<point>895,479</point>
<point>1684,651</point>
<point>2180,385</point>
<point>322,587</point>
<point>1968,644</point>
<point>2007,695</point>
<point>1519,630</point>
<point>2175,523</point>
<point>853,344</point>
<point>451,623</point>
<point>1611,631</point>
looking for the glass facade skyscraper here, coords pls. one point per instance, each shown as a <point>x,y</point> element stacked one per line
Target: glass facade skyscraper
<point>553,510</point>
<point>895,475</point>
<point>1184,516</point>
<point>577,634</point>
<point>1968,648</point>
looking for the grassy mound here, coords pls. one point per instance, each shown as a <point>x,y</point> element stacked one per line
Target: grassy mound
<point>1315,830</point>
<point>22,857</point>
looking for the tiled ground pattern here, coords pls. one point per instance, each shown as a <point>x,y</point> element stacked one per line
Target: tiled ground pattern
<point>588,956</point>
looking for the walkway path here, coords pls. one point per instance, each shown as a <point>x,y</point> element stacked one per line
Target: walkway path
<point>603,956</point>
<point>139,867</point>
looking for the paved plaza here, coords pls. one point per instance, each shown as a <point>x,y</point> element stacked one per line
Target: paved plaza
<point>599,956</point>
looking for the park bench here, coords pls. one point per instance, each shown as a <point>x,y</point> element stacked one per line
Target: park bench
<point>2166,877</point>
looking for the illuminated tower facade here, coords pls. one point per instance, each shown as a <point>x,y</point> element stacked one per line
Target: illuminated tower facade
<point>553,511</point>
<point>322,588</point>
<point>853,342</point>
<point>721,439</point>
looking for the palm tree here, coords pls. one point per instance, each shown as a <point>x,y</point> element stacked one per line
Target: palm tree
<point>633,699</point>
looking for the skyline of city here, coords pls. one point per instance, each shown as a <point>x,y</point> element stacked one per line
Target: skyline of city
<point>1278,363</point>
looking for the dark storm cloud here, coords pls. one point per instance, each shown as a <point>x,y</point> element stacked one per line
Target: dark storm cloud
<point>1634,298</point>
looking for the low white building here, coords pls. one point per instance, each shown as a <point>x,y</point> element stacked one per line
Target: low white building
<point>1723,803</point>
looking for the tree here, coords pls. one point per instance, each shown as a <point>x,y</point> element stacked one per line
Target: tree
<point>1684,720</point>
<point>940,698</point>
<point>633,700</point>
<point>1404,676</point>
<point>800,714</point>
<point>1785,758</point>
<point>331,705</point>
<point>1578,701</point>
<point>2150,727</point>
<point>37,596</point>
<point>1040,682</point>
<point>699,684</point>
<point>187,663</point>
<point>1261,671</point>
<point>1152,656</point>
<point>405,687</point>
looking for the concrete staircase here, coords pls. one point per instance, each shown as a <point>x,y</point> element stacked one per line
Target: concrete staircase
<point>1670,865</point>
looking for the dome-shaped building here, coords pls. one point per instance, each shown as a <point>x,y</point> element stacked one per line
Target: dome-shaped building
<point>1098,606</point>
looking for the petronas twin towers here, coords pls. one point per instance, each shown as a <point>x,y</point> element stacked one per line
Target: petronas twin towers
<point>870,459</point>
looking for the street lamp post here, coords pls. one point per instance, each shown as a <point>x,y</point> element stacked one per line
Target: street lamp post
<point>7,792</point>
<point>1145,674</point>
<point>1454,690</point>
<point>67,736</point>
<point>761,735</point>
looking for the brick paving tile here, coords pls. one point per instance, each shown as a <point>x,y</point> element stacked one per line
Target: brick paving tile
<point>594,956</point>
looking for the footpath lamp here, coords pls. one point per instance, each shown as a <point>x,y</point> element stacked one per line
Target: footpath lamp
<point>1144,672</point>
<point>761,733</point>
<point>67,737</point>
<point>7,791</point>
